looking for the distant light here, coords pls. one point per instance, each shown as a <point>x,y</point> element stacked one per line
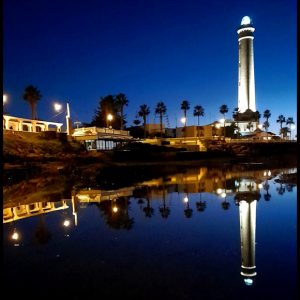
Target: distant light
<point>246,21</point>
<point>185,199</point>
<point>15,236</point>
<point>4,98</point>
<point>265,173</point>
<point>183,120</point>
<point>109,117</point>
<point>219,191</point>
<point>223,195</point>
<point>57,106</point>
<point>115,209</point>
<point>248,281</point>
<point>260,186</point>
<point>66,223</point>
<point>269,173</point>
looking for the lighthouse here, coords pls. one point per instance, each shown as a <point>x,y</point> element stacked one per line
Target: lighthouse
<point>246,84</point>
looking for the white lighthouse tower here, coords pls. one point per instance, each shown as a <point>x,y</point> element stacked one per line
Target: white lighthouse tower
<point>246,89</point>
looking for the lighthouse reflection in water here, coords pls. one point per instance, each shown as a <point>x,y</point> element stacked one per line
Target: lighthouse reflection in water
<point>185,221</point>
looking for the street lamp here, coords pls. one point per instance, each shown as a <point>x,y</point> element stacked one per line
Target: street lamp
<point>4,101</point>
<point>4,98</point>
<point>109,119</point>
<point>183,121</point>
<point>58,108</point>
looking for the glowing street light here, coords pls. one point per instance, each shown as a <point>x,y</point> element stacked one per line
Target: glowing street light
<point>58,108</point>
<point>109,119</point>
<point>115,209</point>
<point>4,99</point>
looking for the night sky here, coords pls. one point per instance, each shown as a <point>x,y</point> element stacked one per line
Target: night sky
<point>165,50</point>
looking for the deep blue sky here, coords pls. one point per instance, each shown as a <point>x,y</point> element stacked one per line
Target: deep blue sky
<point>151,50</point>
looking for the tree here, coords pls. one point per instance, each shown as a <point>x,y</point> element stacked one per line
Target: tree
<point>289,122</point>
<point>284,131</point>
<point>235,113</point>
<point>144,112</point>
<point>185,106</point>
<point>223,111</point>
<point>198,112</point>
<point>107,105</point>
<point>32,95</point>
<point>281,119</point>
<point>266,125</point>
<point>136,122</point>
<point>121,101</point>
<point>161,110</point>
<point>250,126</point>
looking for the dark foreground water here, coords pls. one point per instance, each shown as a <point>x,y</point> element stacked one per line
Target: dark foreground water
<point>203,233</point>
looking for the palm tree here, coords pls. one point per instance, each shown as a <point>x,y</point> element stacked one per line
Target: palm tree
<point>144,112</point>
<point>267,115</point>
<point>250,126</point>
<point>223,111</point>
<point>121,101</point>
<point>281,119</point>
<point>32,95</point>
<point>289,122</point>
<point>136,122</point>
<point>266,125</point>
<point>235,113</point>
<point>198,112</point>
<point>160,109</point>
<point>185,106</point>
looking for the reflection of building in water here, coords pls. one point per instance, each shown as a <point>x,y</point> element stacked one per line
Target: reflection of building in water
<point>96,196</point>
<point>247,198</point>
<point>29,210</point>
<point>211,180</point>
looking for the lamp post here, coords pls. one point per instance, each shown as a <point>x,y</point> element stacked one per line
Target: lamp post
<point>4,101</point>
<point>183,121</point>
<point>109,119</point>
<point>58,108</point>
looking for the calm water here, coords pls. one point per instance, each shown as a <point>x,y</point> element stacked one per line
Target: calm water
<point>203,233</point>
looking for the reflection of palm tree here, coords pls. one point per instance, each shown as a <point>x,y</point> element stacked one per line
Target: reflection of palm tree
<point>266,187</point>
<point>164,210</point>
<point>280,189</point>
<point>119,219</point>
<point>42,234</point>
<point>188,212</point>
<point>148,210</point>
<point>201,205</point>
<point>225,204</point>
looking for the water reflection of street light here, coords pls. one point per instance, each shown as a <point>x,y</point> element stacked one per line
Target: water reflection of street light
<point>58,108</point>
<point>66,223</point>
<point>15,237</point>
<point>109,119</point>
